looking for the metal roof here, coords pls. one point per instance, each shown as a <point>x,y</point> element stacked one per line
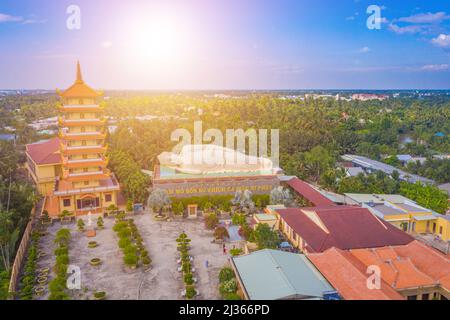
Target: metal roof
<point>272,275</point>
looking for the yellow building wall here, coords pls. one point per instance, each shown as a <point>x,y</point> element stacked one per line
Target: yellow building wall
<point>445,225</point>
<point>44,176</point>
<point>80,101</point>
<point>73,200</point>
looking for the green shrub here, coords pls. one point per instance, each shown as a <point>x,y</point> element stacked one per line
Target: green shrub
<point>188,279</point>
<point>186,267</point>
<point>239,219</point>
<point>61,251</point>
<point>124,233</point>
<point>58,295</point>
<point>226,274</point>
<point>130,249</point>
<point>130,260</point>
<point>190,292</point>
<point>57,284</point>
<point>100,222</point>
<point>120,225</point>
<point>146,260</point>
<point>229,286</point>
<point>221,233</point>
<point>235,252</point>
<point>232,296</point>
<point>80,224</point>
<point>129,207</point>
<point>62,259</point>
<point>62,237</point>
<point>211,221</point>
<point>124,242</point>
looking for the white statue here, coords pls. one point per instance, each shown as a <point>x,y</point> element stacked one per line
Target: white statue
<point>211,158</point>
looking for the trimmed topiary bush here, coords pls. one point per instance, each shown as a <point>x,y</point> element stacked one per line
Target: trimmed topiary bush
<point>130,260</point>
<point>190,292</point>
<point>188,279</point>
<point>226,274</point>
<point>229,286</point>
<point>232,296</point>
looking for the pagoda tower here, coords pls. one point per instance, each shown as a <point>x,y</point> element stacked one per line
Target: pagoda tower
<point>84,184</point>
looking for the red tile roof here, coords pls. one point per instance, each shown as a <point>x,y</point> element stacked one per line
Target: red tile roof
<point>348,276</point>
<point>344,227</point>
<point>45,152</point>
<point>428,260</point>
<point>309,193</point>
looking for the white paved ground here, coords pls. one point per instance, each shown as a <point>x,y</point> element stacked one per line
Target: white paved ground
<point>162,281</point>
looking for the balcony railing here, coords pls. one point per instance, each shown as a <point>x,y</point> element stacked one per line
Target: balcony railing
<point>79,136</point>
<point>80,150</point>
<point>84,163</point>
<point>81,122</point>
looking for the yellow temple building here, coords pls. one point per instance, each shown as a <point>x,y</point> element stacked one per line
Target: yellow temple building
<point>71,170</point>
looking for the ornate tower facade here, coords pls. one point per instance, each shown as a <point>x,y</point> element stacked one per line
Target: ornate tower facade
<point>85,184</point>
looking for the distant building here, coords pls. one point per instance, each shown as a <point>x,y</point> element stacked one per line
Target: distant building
<point>404,158</point>
<point>277,275</point>
<point>369,96</point>
<point>404,213</point>
<point>354,171</point>
<point>7,137</point>
<point>43,124</point>
<point>371,166</point>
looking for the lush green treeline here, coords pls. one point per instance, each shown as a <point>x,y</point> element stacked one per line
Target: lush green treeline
<point>17,198</point>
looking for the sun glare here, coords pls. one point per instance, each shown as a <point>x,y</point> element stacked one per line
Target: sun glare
<point>158,41</point>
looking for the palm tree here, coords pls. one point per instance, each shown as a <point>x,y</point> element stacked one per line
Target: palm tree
<point>8,238</point>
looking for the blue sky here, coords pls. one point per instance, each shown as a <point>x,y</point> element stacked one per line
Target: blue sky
<point>209,44</point>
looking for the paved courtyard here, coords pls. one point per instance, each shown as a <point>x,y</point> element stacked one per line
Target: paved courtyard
<point>162,281</point>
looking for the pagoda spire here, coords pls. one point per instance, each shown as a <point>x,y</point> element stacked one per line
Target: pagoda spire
<point>79,75</point>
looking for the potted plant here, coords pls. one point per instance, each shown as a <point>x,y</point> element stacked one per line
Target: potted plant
<point>100,295</point>
<point>146,261</point>
<point>95,262</point>
<point>92,244</point>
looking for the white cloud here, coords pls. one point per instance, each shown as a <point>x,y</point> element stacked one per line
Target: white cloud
<point>435,67</point>
<point>8,18</point>
<point>426,18</point>
<point>33,21</point>
<point>407,29</point>
<point>443,41</point>
<point>364,50</point>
